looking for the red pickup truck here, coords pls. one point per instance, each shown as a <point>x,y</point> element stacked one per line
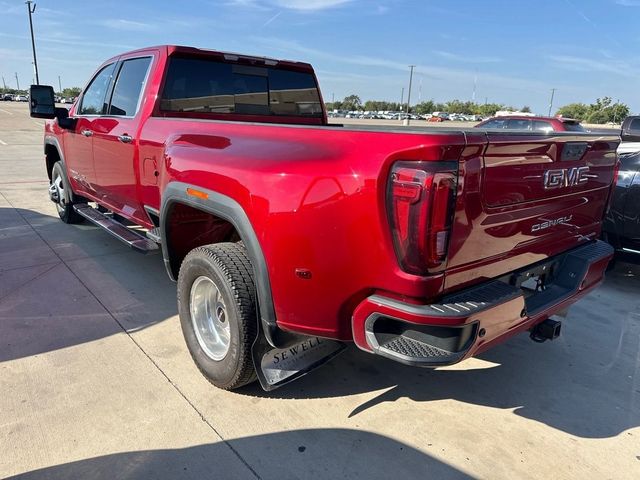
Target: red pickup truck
<point>289,237</point>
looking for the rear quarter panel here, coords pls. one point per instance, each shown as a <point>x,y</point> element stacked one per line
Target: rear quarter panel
<point>315,198</point>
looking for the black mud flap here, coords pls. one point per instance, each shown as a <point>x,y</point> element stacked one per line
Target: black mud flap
<point>278,366</point>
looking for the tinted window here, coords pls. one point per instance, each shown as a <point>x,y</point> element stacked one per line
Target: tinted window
<point>542,126</point>
<point>93,98</point>
<point>518,124</point>
<point>126,93</point>
<point>496,123</point>
<point>635,124</point>
<point>209,86</point>
<point>573,127</point>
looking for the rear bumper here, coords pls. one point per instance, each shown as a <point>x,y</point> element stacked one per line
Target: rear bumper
<point>473,320</point>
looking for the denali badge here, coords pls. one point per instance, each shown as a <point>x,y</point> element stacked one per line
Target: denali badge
<point>565,177</point>
<point>551,223</point>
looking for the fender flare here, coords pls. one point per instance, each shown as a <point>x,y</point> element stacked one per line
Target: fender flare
<point>227,208</point>
<point>53,141</point>
<point>50,140</point>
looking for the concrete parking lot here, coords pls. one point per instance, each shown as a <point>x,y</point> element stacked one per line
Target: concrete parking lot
<point>96,381</point>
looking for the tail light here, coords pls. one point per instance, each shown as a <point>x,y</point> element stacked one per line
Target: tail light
<point>420,201</point>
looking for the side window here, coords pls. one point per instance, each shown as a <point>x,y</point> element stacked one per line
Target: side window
<point>519,124</point>
<point>497,123</point>
<point>128,87</point>
<point>635,124</point>
<point>542,126</point>
<point>93,97</point>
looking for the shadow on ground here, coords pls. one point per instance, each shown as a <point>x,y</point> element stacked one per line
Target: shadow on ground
<point>586,383</point>
<point>324,454</point>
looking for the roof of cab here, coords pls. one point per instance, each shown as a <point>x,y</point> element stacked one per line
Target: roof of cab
<point>228,56</point>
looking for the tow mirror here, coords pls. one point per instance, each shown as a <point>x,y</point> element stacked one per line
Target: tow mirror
<point>42,101</point>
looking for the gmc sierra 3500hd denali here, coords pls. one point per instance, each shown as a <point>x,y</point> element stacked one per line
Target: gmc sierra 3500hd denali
<point>289,237</point>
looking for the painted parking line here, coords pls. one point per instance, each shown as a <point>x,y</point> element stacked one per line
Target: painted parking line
<point>6,111</point>
<point>3,143</point>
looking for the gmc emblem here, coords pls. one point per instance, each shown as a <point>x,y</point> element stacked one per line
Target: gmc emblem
<point>566,177</point>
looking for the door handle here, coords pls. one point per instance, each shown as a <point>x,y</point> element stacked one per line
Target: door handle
<point>125,138</point>
<point>86,133</point>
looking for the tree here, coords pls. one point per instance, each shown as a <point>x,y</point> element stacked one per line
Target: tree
<point>489,109</point>
<point>457,106</point>
<point>579,111</point>
<point>602,111</point>
<point>351,102</point>
<point>71,92</point>
<point>423,108</point>
<point>526,109</point>
<point>337,105</point>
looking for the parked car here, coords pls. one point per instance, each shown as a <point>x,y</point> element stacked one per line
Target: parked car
<point>621,227</point>
<point>289,237</point>
<point>630,135</point>
<point>535,124</point>
<point>21,98</point>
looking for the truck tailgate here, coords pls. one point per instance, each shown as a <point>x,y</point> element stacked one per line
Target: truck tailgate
<point>523,197</point>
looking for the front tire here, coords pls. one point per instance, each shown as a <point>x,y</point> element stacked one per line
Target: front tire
<point>61,194</point>
<point>217,308</point>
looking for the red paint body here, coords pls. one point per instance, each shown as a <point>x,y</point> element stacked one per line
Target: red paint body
<point>316,197</point>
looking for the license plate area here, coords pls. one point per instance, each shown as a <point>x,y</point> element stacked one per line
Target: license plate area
<point>535,279</point>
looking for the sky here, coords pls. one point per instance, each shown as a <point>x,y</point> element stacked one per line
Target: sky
<point>507,51</point>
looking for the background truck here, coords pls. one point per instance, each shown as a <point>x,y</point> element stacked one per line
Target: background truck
<point>630,135</point>
<point>289,237</point>
<point>621,227</point>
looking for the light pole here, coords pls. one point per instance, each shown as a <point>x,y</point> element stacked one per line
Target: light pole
<point>411,67</point>
<point>33,42</point>
<point>4,83</point>
<point>553,92</point>
<point>59,84</point>
<point>17,82</point>
<point>401,98</point>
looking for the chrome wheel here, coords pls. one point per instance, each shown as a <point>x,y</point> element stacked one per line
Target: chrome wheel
<point>209,318</point>
<point>56,192</point>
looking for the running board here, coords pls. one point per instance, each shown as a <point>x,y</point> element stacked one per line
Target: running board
<point>118,230</point>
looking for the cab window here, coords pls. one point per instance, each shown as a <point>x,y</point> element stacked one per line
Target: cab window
<point>128,87</point>
<point>542,126</point>
<point>518,124</point>
<point>496,123</point>
<point>93,99</point>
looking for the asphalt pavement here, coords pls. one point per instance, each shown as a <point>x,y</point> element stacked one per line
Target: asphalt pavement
<point>96,381</point>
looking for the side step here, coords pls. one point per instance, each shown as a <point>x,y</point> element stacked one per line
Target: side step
<point>118,230</point>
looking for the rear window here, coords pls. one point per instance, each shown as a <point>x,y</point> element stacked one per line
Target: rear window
<point>211,86</point>
<point>573,127</point>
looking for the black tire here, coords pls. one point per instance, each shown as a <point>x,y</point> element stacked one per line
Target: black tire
<point>228,267</point>
<point>64,206</point>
